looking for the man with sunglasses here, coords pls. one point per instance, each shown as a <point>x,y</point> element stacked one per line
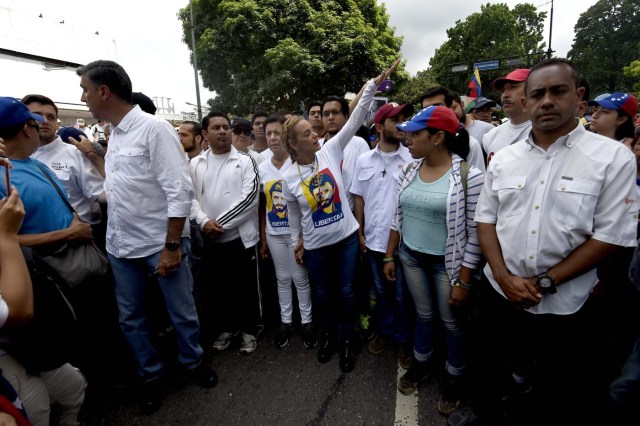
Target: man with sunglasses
<point>241,131</point>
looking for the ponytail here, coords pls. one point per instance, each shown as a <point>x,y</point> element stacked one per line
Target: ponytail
<point>456,144</point>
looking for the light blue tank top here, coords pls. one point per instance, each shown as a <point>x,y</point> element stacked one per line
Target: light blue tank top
<point>424,215</point>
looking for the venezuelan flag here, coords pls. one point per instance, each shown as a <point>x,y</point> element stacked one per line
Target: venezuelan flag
<point>474,89</point>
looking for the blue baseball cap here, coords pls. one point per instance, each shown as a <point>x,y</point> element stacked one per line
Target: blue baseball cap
<point>66,132</point>
<point>432,117</point>
<point>618,101</point>
<point>13,112</point>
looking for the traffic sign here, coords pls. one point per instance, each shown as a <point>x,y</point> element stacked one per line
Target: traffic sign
<point>487,65</point>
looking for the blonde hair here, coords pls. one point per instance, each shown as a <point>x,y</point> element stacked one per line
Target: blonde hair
<point>289,136</point>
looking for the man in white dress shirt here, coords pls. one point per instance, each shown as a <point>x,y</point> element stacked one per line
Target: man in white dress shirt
<point>149,196</point>
<point>553,206</point>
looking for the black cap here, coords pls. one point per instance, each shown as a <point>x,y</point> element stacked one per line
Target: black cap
<point>240,122</point>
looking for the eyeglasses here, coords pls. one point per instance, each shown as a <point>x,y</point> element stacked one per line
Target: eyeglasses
<point>238,131</point>
<point>335,112</point>
<point>35,126</point>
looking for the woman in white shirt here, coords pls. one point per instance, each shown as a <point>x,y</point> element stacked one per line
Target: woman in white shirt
<point>319,215</point>
<point>276,239</point>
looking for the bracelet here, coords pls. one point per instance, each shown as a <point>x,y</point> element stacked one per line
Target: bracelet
<point>462,284</point>
<point>89,152</point>
<point>388,260</point>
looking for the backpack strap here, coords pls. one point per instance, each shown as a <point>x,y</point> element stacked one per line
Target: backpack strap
<point>464,176</point>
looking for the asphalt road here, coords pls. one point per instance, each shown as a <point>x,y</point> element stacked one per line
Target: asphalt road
<point>289,387</point>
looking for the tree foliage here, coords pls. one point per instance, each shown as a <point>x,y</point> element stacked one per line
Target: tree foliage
<point>633,72</point>
<point>607,38</point>
<point>411,90</point>
<point>272,54</point>
<point>496,32</point>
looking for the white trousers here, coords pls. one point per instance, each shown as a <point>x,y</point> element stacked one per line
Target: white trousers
<point>287,269</point>
<point>64,385</point>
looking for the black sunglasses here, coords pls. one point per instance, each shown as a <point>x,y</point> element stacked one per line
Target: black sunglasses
<point>239,131</point>
<point>35,126</point>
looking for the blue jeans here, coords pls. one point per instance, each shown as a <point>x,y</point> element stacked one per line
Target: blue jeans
<point>332,273</point>
<point>130,276</point>
<point>430,288</point>
<point>392,300</point>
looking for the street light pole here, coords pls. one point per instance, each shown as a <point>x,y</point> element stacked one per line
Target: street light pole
<point>195,61</point>
<point>550,31</point>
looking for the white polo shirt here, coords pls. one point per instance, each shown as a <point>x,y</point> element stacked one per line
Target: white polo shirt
<point>82,182</point>
<point>547,203</point>
<point>503,136</point>
<point>376,179</point>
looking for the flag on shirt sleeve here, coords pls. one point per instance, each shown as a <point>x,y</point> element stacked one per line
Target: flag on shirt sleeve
<point>474,89</point>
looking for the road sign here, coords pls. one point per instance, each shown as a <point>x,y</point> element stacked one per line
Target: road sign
<point>487,65</point>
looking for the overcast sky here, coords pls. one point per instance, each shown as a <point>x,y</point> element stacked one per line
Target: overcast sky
<point>148,34</point>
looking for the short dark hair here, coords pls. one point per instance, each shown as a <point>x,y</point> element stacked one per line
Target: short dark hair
<point>144,102</point>
<point>111,74</point>
<point>273,119</point>
<point>436,91</point>
<point>552,62</point>
<point>258,114</point>
<point>314,103</point>
<point>206,118</point>
<point>32,98</point>
<point>456,97</point>
<point>344,105</point>
<point>196,128</point>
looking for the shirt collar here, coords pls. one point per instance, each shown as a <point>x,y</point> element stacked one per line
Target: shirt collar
<point>51,146</point>
<point>127,121</point>
<point>570,139</point>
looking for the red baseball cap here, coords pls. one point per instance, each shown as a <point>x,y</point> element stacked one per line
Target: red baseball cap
<point>516,76</point>
<point>432,117</point>
<point>391,110</point>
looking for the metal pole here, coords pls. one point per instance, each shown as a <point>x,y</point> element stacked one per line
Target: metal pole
<point>195,61</point>
<point>550,31</point>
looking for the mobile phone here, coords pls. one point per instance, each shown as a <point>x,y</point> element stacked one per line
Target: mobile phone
<point>7,179</point>
<point>385,86</point>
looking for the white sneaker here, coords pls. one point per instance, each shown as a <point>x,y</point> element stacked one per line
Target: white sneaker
<point>249,343</point>
<point>222,342</point>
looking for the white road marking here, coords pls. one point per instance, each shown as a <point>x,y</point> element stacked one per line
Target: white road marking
<point>406,406</point>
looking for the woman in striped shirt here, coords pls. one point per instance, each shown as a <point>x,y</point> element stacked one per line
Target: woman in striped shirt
<point>439,248</point>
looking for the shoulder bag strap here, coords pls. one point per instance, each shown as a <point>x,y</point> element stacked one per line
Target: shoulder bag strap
<point>63,196</point>
<point>464,176</point>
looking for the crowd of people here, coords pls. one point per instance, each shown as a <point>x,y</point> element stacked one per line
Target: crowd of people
<point>493,257</point>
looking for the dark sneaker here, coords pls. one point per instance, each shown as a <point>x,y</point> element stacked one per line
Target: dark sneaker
<point>347,357</point>
<point>327,348</point>
<point>418,373</point>
<point>379,344</point>
<point>515,389</point>
<point>223,341</point>
<point>309,336</point>
<point>463,417</point>
<point>365,327</point>
<point>405,356</point>
<point>281,339</point>
<point>203,376</point>
<point>451,395</point>
<point>151,396</point>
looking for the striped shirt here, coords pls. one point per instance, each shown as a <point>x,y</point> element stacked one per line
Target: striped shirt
<point>462,247</point>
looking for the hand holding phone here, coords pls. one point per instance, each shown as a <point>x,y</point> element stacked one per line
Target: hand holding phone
<point>7,177</point>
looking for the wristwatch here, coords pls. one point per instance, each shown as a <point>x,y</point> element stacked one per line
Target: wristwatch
<point>172,245</point>
<point>547,284</point>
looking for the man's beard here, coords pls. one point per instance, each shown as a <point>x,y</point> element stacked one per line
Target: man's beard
<point>390,138</point>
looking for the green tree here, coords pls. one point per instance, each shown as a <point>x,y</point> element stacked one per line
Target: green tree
<point>272,54</point>
<point>633,72</point>
<point>496,32</point>
<point>607,38</point>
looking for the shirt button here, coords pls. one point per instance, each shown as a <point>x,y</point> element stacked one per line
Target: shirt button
<point>530,257</point>
<point>548,157</point>
<point>519,185</point>
<point>542,182</point>
<point>537,207</point>
<point>533,232</point>
<point>562,188</point>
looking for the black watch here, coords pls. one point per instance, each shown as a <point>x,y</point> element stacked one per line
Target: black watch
<point>547,284</point>
<point>172,245</point>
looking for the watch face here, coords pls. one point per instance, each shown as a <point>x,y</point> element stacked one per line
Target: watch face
<point>545,282</point>
<point>172,246</point>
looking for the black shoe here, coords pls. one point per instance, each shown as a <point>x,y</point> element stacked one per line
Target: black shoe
<point>151,396</point>
<point>309,336</point>
<point>347,357</point>
<point>281,339</point>
<point>203,376</point>
<point>327,348</point>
